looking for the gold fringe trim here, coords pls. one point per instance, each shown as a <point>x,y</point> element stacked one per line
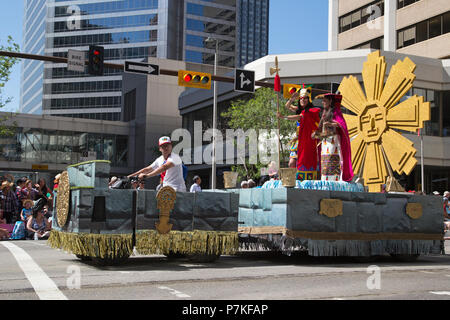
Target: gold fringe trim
<point>187,242</point>
<point>92,245</point>
<point>147,242</point>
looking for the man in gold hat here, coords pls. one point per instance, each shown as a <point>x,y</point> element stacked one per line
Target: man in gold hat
<point>10,205</point>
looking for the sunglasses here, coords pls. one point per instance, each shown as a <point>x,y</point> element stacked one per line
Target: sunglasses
<point>304,98</point>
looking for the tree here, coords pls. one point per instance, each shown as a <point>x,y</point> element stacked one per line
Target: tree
<point>6,65</point>
<point>259,113</point>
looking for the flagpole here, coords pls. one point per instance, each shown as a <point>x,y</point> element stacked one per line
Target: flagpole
<point>421,163</point>
<point>277,88</point>
<point>278,131</point>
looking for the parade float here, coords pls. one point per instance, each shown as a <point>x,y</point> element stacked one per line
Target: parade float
<point>322,218</point>
<point>336,218</point>
<point>107,225</point>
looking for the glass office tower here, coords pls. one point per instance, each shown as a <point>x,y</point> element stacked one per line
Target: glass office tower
<point>128,30</point>
<point>35,13</point>
<point>240,26</point>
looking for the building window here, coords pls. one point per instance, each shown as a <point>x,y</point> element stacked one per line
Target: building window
<point>376,43</point>
<point>361,15</point>
<point>446,114</point>
<point>435,27</point>
<point>424,30</point>
<point>404,3</point>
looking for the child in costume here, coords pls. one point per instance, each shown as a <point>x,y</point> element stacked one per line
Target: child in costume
<point>335,150</point>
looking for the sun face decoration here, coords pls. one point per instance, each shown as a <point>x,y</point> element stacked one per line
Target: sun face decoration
<point>376,147</point>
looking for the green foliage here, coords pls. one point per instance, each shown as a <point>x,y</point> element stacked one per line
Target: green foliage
<point>260,113</point>
<point>6,64</point>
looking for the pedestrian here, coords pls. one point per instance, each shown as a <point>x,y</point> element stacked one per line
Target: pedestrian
<point>141,184</point>
<point>168,165</point>
<point>10,204</point>
<point>196,186</point>
<point>112,181</point>
<point>446,207</point>
<point>44,192</point>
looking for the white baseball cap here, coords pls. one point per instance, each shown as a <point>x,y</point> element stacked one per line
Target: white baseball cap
<point>164,140</point>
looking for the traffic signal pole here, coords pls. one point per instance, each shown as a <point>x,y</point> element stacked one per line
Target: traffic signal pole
<point>165,72</point>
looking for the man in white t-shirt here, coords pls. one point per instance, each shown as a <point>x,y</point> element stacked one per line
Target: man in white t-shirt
<point>169,166</point>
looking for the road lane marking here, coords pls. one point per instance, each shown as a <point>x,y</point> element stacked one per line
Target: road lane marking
<point>175,292</point>
<point>442,293</point>
<point>44,287</point>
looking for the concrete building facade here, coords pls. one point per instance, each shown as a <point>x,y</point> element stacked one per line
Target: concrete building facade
<point>416,27</point>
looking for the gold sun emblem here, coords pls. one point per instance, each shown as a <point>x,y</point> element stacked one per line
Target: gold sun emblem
<point>376,146</point>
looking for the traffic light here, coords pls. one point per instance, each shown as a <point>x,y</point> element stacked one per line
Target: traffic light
<point>290,89</point>
<point>96,57</point>
<point>194,79</point>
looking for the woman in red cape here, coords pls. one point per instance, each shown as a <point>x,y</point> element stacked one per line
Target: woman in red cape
<point>308,121</point>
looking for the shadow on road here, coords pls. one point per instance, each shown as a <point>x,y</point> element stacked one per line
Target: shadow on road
<point>264,259</point>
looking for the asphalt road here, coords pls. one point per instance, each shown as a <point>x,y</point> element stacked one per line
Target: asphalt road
<point>30,270</point>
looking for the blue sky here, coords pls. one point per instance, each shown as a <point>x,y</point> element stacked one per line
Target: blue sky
<point>294,26</point>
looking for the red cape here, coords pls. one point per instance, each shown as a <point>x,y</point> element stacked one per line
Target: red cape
<point>307,157</point>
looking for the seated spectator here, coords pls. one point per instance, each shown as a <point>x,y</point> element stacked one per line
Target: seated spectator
<point>244,184</point>
<point>47,213</point>
<point>251,183</point>
<point>446,208</point>
<point>5,229</point>
<point>19,231</point>
<point>4,234</point>
<point>38,226</point>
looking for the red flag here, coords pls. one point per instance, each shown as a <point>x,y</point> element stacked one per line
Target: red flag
<point>277,84</point>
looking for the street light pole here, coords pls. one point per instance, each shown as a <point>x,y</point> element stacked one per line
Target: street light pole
<point>213,162</point>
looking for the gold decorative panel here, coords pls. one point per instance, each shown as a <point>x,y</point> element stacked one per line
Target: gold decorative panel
<point>165,197</point>
<point>331,207</point>
<point>62,199</point>
<point>414,210</point>
<point>376,147</point>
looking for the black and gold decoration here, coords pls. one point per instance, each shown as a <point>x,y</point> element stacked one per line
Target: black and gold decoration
<point>62,200</point>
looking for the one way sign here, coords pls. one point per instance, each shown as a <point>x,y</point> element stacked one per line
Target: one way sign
<point>139,67</point>
<point>244,80</point>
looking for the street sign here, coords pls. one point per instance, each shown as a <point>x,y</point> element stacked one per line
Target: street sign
<point>244,80</point>
<point>75,60</point>
<point>140,67</point>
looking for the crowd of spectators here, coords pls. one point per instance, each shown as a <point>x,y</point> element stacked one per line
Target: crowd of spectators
<point>25,208</point>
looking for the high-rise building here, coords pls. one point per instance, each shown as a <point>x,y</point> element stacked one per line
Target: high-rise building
<point>35,13</point>
<point>129,30</point>
<point>416,27</point>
